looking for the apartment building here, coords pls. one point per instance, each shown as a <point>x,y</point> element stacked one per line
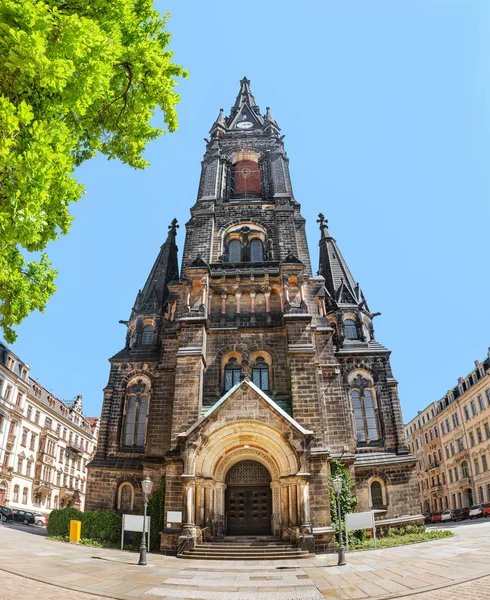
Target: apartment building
<point>45,443</point>
<point>451,441</point>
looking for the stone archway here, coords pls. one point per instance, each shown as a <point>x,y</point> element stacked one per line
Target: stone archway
<point>248,499</point>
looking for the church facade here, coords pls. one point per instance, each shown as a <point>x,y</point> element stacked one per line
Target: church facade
<point>245,375</point>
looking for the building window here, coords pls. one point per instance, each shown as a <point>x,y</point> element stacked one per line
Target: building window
<point>460,444</point>
<point>136,414</point>
<point>260,374</point>
<point>479,436</point>
<point>24,495</point>
<point>16,493</point>
<point>235,251</point>
<point>37,417</point>
<point>377,495</point>
<point>466,412</point>
<point>473,408</point>
<point>33,441</point>
<point>487,430</point>
<point>472,439</point>
<point>464,469</point>
<point>448,425</point>
<point>147,337</point>
<point>487,392</point>
<point>364,412</point>
<point>480,494</point>
<point>350,329</point>
<point>481,403</point>
<point>443,428</point>
<point>455,420</point>
<point>447,451</point>
<point>256,251</point>
<point>452,448</point>
<point>477,466</point>
<point>23,441</point>
<point>450,475</point>
<point>484,463</point>
<point>29,412</point>
<point>232,374</point>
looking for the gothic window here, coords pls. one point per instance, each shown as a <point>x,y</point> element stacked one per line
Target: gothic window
<point>135,417</point>
<point>364,411</point>
<point>350,329</point>
<point>256,251</point>
<point>245,180</point>
<point>235,251</point>
<point>147,337</point>
<point>260,374</point>
<point>232,374</point>
<point>377,495</point>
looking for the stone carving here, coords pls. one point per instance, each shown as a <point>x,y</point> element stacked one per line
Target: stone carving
<point>246,472</point>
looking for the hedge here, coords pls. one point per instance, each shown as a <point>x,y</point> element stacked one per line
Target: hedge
<point>96,524</point>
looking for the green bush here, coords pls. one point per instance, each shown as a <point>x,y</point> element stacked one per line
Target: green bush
<point>96,524</point>
<point>59,520</point>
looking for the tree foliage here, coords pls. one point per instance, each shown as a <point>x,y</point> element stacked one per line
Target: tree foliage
<point>348,498</point>
<point>76,77</point>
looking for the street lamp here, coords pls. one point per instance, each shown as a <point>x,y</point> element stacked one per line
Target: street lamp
<point>337,488</point>
<point>146,486</point>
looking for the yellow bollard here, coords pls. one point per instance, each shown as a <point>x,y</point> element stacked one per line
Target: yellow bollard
<point>75,531</point>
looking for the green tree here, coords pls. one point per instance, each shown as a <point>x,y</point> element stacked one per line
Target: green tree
<point>348,498</point>
<point>76,77</point>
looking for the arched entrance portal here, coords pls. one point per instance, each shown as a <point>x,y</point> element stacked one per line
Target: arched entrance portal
<point>248,499</point>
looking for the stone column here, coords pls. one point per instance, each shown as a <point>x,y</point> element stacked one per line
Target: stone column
<point>200,505</point>
<point>190,519</point>
<point>208,505</point>
<point>267,301</point>
<point>223,304</point>
<point>238,295</point>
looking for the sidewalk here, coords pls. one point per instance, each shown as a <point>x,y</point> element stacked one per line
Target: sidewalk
<point>387,573</point>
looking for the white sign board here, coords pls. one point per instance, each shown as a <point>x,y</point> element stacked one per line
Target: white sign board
<point>363,520</point>
<point>135,523</point>
<point>174,516</point>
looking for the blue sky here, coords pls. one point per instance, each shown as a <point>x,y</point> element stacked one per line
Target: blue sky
<point>385,107</point>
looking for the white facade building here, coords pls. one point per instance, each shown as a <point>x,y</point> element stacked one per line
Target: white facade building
<point>45,443</point>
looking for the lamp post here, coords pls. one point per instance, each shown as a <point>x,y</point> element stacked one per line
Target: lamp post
<point>337,488</point>
<point>146,486</point>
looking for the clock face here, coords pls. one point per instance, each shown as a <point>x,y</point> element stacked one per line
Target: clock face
<point>244,124</point>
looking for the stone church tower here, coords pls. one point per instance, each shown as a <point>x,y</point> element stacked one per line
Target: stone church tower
<point>245,375</point>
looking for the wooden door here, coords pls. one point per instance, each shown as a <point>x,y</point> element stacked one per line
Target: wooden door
<point>248,510</point>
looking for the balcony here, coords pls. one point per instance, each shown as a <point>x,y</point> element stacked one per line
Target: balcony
<point>49,430</point>
<point>7,471</point>
<point>43,485</point>
<point>71,447</point>
<point>434,466</point>
<point>10,441</point>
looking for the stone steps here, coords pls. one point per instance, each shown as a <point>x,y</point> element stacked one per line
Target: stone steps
<point>245,548</point>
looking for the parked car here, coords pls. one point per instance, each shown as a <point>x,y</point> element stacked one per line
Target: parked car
<point>435,517</point>
<point>476,511</point>
<point>427,518</point>
<point>486,509</point>
<point>447,515</point>
<point>41,519</point>
<point>6,514</point>
<point>460,513</point>
<point>23,516</point>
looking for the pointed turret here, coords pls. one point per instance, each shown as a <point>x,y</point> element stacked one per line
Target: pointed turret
<point>338,279</point>
<point>245,108</point>
<point>219,124</point>
<point>152,297</point>
<point>270,121</point>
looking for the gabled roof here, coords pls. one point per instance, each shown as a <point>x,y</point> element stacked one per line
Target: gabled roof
<point>291,260</point>
<point>246,382</point>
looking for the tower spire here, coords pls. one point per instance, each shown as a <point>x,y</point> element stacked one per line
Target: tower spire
<point>338,279</point>
<point>154,293</point>
<point>245,95</point>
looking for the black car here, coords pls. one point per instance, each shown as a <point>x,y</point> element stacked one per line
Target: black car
<point>6,514</point>
<point>460,513</point>
<point>25,517</point>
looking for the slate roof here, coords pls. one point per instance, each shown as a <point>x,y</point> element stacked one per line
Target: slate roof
<point>368,459</point>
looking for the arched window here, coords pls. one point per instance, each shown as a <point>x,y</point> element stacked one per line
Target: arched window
<point>232,373</point>
<point>245,180</point>
<point>377,495</point>
<point>364,413</point>
<point>16,493</point>
<point>24,495</point>
<point>256,251</point>
<point>260,374</point>
<point>350,329</point>
<point>147,337</point>
<point>125,497</point>
<point>135,417</point>
<point>235,251</point>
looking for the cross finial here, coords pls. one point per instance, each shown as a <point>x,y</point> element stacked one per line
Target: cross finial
<point>321,219</point>
<point>173,226</point>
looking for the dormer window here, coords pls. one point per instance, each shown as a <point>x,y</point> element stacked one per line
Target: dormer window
<point>350,329</point>
<point>147,337</point>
